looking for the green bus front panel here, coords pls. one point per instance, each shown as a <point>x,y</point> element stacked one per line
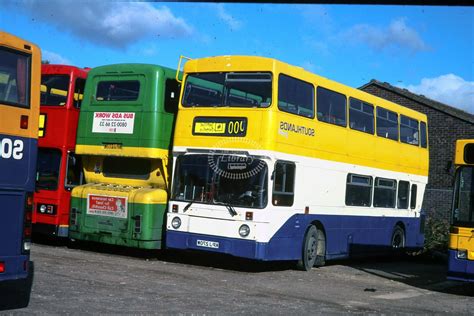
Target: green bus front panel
<point>142,228</point>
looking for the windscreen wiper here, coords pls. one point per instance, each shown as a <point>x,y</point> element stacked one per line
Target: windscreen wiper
<point>187,206</point>
<point>229,207</point>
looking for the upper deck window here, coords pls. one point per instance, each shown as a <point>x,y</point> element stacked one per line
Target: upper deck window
<point>79,92</point>
<point>295,96</point>
<point>409,130</point>
<point>15,78</point>
<point>234,89</point>
<point>469,153</point>
<point>118,90</point>
<point>387,123</point>
<point>172,95</point>
<point>361,116</point>
<point>331,107</point>
<point>423,132</point>
<point>54,89</point>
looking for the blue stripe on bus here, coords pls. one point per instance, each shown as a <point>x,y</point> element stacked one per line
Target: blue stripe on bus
<point>345,236</point>
<point>18,174</point>
<point>460,269</point>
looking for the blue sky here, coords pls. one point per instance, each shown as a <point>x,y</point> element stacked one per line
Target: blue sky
<point>427,49</point>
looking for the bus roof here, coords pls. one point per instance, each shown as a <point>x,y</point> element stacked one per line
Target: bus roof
<point>129,68</point>
<point>62,69</point>
<point>17,43</point>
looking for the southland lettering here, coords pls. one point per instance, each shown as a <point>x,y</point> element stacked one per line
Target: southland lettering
<point>290,127</point>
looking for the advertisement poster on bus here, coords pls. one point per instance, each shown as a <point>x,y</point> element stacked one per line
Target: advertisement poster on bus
<point>113,206</point>
<point>113,122</point>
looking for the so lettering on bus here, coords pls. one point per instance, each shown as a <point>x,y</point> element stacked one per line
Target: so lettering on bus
<point>11,148</point>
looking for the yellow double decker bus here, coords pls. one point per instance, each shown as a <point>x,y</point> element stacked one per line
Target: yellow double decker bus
<point>273,162</point>
<point>461,237</point>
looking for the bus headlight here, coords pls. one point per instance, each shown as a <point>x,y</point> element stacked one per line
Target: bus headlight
<point>176,222</point>
<point>244,230</point>
<point>42,208</point>
<point>461,254</point>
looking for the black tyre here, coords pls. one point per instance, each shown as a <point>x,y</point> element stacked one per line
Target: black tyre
<point>314,249</point>
<point>398,238</point>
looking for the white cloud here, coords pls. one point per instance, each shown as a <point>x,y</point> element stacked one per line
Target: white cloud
<point>310,66</point>
<point>397,34</point>
<point>223,15</point>
<point>54,58</point>
<point>110,23</point>
<point>320,47</point>
<point>449,89</point>
<point>318,17</point>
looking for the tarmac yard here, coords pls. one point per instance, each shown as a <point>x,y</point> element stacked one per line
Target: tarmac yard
<point>99,279</point>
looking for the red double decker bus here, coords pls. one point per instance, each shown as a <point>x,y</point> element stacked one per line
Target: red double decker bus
<point>58,168</point>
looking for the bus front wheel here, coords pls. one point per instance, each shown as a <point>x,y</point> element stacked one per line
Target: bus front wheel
<point>313,249</point>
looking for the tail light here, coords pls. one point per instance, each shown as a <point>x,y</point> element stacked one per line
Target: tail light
<point>24,122</point>
<point>2,267</point>
<point>26,244</point>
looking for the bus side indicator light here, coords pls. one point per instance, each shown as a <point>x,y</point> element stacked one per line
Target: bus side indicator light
<point>248,216</point>
<point>306,209</point>
<point>175,208</point>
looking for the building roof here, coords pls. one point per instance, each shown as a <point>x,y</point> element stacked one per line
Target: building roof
<point>460,114</point>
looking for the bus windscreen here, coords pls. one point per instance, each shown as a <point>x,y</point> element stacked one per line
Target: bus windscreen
<point>253,89</point>
<point>221,179</point>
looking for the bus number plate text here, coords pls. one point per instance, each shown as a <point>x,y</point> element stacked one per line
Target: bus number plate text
<point>207,244</point>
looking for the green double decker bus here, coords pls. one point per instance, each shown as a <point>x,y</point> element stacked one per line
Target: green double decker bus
<point>124,137</point>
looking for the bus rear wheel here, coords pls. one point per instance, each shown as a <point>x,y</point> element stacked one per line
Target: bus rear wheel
<point>314,249</point>
<point>398,238</point>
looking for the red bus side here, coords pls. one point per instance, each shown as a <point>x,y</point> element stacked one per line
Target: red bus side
<point>59,136</point>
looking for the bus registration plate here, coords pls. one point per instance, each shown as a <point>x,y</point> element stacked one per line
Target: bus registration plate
<point>207,244</point>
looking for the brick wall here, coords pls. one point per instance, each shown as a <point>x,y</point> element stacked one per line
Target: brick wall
<point>443,131</point>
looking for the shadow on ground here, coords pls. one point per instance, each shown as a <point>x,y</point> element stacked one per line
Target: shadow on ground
<point>204,259</point>
<point>424,271</point>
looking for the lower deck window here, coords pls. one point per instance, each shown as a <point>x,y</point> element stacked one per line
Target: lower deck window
<point>402,198</point>
<point>385,192</point>
<point>358,190</point>
<point>413,196</point>
<point>48,168</point>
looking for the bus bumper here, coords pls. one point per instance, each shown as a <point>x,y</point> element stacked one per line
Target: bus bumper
<point>460,269</point>
<point>15,291</point>
<point>275,249</point>
<point>51,230</point>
